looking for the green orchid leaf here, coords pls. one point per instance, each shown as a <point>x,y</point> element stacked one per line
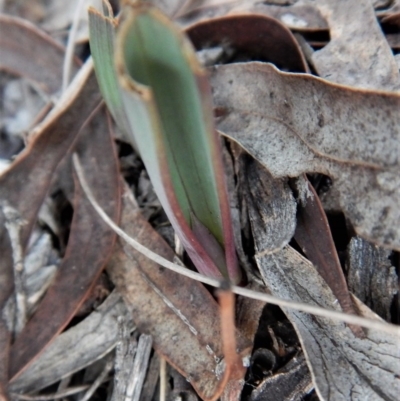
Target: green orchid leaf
<point>167,103</point>
<point>102,37</point>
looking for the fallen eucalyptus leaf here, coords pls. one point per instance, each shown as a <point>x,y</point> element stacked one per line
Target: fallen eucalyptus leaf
<point>343,367</point>
<point>295,123</point>
<point>300,15</point>
<point>79,270</point>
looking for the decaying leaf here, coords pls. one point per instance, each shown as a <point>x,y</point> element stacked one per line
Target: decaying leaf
<point>50,143</point>
<point>76,348</point>
<point>296,123</point>
<point>179,313</point>
<point>358,53</point>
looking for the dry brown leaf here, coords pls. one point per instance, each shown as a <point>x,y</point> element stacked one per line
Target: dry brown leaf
<point>25,184</point>
<point>314,237</point>
<point>296,123</point>
<point>179,313</point>
<point>358,53</point>
<point>344,367</point>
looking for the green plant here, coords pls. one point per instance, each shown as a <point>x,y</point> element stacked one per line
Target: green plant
<point>159,95</point>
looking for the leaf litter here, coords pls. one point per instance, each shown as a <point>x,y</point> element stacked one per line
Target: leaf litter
<point>363,170</point>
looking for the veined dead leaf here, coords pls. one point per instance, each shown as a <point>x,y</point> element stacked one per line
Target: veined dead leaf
<point>296,123</point>
<point>300,15</point>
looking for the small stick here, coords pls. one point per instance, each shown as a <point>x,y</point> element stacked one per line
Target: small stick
<point>48,397</point>
<point>100,379</point>
<point>69,52</point>
<point>139,368</point>
<point>163,379</point>
<point>124,355</point>
<point>13,224</point>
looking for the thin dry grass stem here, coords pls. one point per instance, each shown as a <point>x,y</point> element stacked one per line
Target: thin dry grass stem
<point>139,369</point>
<point>314,310</point>
<point>48,397</point>
<point>99,380</point>
<point>69,52</point>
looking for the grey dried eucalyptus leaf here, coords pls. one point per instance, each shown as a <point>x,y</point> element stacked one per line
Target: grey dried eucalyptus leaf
<point>344,367</point>
<point>296,123</point>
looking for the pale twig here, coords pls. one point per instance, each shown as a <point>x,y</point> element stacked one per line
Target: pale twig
<point>48,397</point>
<point>64,383</point>
<point>100,379</point>
<point>163,379</point>
<point>314,310</point>
<point>139,368</point>
<point>13,224</point>
<point>124,356</point>
<point>69,52</point>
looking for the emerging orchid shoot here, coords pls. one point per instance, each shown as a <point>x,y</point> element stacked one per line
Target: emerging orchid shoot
<point>167,104</point>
